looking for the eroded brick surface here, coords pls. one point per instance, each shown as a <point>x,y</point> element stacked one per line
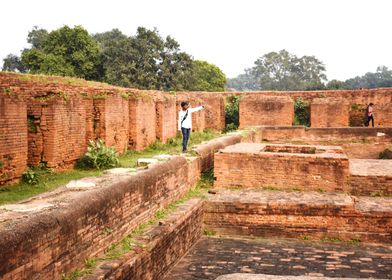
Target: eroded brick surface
<point>212,257</point>
<point>329,112</point>
<point>289,167</point>
<point>299,214</point>
<point>266,110</point>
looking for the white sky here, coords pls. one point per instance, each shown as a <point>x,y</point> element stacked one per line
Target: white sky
<point>351,37</point>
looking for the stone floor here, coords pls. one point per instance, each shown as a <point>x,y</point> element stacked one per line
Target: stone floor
<point>212,257</point>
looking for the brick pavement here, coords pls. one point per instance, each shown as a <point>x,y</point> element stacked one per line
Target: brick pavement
<point>212,257</point>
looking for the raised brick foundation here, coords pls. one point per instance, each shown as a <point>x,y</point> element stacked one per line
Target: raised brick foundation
<point>299,215</point>
<point>282,166</point>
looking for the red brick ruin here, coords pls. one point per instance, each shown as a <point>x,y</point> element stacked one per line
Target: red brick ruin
<point>271,179</point>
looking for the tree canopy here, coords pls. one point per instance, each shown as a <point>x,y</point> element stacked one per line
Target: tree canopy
<point>145,60</point>
<point>282,71</point>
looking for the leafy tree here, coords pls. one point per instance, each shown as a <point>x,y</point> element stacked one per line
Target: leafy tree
<point>65,51</point>
<point>283,71</point>
<point>13,63</point>
<point>381,78</point>
<point>207,77</point>
<point>37,37</point>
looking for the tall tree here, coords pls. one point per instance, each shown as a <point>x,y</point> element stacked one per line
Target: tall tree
<point>13,63</point>
<point>283,71</point>
<point>65,51</point>
<point>207,77</point>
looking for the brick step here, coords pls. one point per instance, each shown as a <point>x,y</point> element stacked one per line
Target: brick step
<point>299,214</point>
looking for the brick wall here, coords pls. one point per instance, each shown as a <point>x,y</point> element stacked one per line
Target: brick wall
<point>266,110</point>
<point>166,122</point>
<point>13,139</point>
<point>246,165</point>
<point>329,112</point>
<point>112,121</point>
<point>298,215</point>
<point>47,244</point>
<point>59,133</point>
<point>142,123</point>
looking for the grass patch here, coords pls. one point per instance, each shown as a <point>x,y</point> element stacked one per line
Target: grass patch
<point>173,146</point>
<point>209,232</point>
<point>47,182</point>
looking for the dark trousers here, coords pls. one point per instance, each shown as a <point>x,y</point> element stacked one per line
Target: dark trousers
<point>368,120</point>
<point>185,137</point>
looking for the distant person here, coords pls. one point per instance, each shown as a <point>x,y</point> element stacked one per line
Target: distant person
<point>185,122</point>
<point>369,113</point>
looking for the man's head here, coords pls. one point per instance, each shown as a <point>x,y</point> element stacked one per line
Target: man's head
<point>184,105</point>
<point>371,104</point>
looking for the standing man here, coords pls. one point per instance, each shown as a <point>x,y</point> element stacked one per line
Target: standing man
<point>185,122</point>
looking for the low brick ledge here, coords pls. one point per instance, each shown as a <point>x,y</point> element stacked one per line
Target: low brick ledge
<point>166,243</point>
<point>296,214</point>
<point>247,276</point>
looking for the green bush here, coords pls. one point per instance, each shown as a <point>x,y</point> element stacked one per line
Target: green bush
<point>30,177</point>
<point>98,156</point>
<point>301,112</point>
<point>232,112</point>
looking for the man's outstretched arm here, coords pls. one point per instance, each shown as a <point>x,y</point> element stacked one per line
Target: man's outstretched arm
<point>198,108</point>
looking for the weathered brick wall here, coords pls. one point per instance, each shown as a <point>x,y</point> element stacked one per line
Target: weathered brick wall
<point>246,165</point>
<point>329,112</point>
<point>13,139</point>
<point>58,131</point>
<point>166,122</point>
<point>207,151</point>
<point>266,110</point>
<point>142,123</point>
<point>167,244</point>
<point>371,185</point>
<point>298,215</point>
<point>112,121</point>
<point>310,135</point>
<point>45,245</point>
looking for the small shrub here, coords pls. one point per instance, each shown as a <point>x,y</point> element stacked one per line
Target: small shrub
<point>301,112</point>
<point>30,177</point>
<point>386,154</point>
<point>32,127</point>
<point>232,113</point>
<point>98,156</point>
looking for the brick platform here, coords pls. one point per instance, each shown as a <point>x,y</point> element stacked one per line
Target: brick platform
<point>298,167</point>
<point>296,214</point>
<point>371,177</point>
<point>213,257</point>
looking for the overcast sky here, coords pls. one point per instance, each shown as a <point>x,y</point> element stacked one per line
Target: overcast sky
<point>351,37</point>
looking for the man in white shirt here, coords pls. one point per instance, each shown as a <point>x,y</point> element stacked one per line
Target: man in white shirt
<point>185,122</point>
